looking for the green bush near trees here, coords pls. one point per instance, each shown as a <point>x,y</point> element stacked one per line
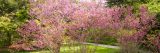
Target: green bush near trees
<point>13,13</point>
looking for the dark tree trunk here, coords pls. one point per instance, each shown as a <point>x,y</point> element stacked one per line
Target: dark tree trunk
<point>57,48</point>
<point>9,39</point>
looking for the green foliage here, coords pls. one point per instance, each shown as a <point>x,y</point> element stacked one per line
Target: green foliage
<point>13,13</point>
<point>126,2</point>
<point>99,36</point>
<point>11,6</point>
<point>135,4</point>
<point>154,5</point>
<point>5,24</point>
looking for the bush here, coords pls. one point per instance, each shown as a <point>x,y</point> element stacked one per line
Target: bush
<point>13,13</point>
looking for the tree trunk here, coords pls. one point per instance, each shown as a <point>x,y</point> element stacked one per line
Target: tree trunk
<point>56,49</point>
<point>9,39</point>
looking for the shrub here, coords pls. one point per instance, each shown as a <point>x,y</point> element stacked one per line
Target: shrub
<point>12,14</point>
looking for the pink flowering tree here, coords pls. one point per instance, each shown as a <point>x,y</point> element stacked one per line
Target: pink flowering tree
<point>54,19</point>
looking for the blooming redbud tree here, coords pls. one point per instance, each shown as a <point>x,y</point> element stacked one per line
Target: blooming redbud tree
<point>55,18</point>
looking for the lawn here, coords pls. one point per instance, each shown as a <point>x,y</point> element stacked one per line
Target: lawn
<point>76,49</point>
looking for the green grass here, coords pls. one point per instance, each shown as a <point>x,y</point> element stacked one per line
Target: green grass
<point>77,48</point>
